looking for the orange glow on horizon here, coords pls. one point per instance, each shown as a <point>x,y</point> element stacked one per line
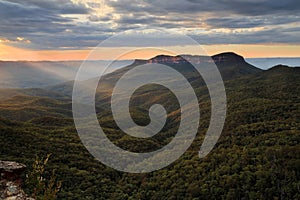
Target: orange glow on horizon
<point>247,50</point>
<point>14,54</point>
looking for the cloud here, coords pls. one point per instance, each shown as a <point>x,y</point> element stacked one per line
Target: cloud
<point>44,24</point>
<point>56,6</point>
<point>248,12</point>
<point>219,21</point>
<point>249,22</point>
<point>242,7</point>
<point>80,24</point>
<point>18,40</point>
<point>95,18</point>
<point>254,37</point>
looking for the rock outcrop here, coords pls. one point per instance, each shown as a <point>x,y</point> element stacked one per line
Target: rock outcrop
<point>10,182</point>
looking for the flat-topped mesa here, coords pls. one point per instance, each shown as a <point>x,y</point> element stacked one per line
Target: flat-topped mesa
<point>230,65</point>
<point>167,59</point>
<point>163,59</point>
<point>194,59</point>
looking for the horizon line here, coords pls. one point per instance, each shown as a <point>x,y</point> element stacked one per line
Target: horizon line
<point>82,60</point>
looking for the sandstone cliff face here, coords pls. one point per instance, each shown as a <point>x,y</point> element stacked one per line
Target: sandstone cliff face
<point>10,181</point>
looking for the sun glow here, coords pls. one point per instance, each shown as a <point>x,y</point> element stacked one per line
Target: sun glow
<point>247,50</point>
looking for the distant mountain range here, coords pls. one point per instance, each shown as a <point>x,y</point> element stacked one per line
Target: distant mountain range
<point>267,63</point>
<point>25,74</point>
<point>256,157</point>
<point>230,65</point>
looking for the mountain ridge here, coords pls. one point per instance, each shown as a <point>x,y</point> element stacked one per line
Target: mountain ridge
<point>256,157</point>
<point>231,66</point>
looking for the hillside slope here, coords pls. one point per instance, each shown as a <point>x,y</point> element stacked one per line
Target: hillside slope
<point>257,156</point>
<point>230,65</point>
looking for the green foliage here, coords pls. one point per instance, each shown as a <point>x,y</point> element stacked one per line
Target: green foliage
<point>257,156</point>
<point>39,186</point>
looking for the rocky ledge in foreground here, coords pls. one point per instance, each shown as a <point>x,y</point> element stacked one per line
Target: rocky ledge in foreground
<point>10,181</point>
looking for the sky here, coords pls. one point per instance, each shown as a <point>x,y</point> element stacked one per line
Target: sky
<point>70,29</point>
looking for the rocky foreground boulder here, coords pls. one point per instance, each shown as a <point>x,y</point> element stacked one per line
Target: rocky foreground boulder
<point>10,181</point>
